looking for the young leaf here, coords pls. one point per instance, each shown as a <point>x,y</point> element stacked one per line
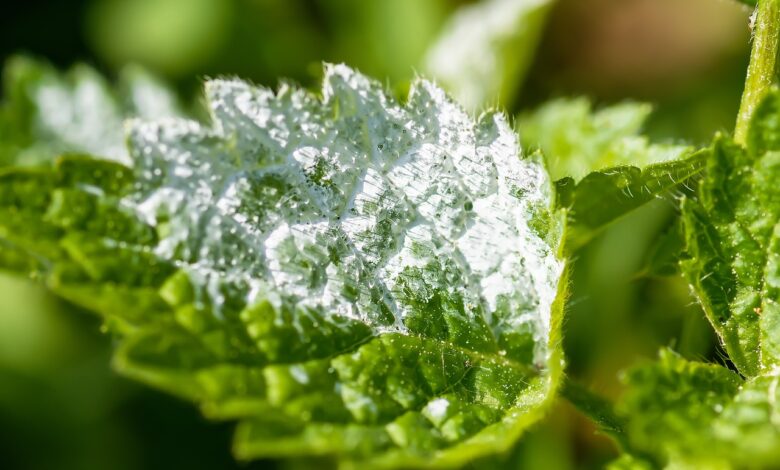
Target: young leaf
<point>578,140</point>
<point>732,243</point>
<point>598,409</point>
<point>345,275</point>
<point>702,415</point>
<point>606,168</point>
<point>486,49</point>
<point>663,257</point>
<point>604,196</point>
<point>46,113</point>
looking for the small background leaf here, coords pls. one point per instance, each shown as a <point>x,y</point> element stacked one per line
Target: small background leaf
<point>46,113</point>
<point>486,48</point>
<point>702,415</point>
<point>578,140</point>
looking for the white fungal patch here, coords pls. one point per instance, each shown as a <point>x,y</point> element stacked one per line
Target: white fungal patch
<point>437,409</point>
<point>354,205</point>
<point>78,112</point>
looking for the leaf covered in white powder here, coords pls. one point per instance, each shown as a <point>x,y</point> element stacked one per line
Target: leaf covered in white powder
<point>343,274</point>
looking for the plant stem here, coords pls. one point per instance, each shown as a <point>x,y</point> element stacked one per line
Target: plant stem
<point>763,60</point>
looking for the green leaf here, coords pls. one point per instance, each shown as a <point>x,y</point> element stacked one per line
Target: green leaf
<point>629,462</point>
<point>597,409</point>
<point>578,140</point>
<point>486,49</point>
<point>733,245</point>
<point>46,113</point>
<point>609,422</point>
<point>664,255</point>
<point>604,196</point>
<point>344,275</point>
<point>671,404</point>
<point>702,415</point>
<point>606,168</point>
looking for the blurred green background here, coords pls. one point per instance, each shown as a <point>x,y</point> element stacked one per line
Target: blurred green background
<point>62,407</point>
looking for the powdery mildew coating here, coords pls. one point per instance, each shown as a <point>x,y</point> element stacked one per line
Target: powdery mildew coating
<point>351,205</point>
<point>77,112</point>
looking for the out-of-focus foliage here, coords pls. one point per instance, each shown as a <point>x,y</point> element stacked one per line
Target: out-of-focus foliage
<point>173,36</point>
<point>267,40</point>
<point>46,113</point>
<point>701,415</point>
<point>599,410</point>
<point>61,406</point>
<point>663,256</point>
<point>578,139</point>
<point>486,48</point>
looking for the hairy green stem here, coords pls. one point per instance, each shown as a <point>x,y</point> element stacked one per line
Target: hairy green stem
<point>763,59</point>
